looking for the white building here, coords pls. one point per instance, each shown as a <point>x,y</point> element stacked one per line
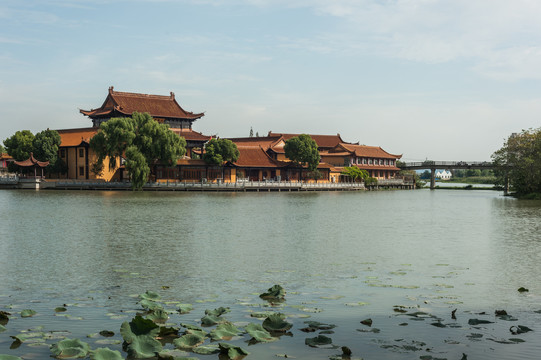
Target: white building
<point>443,174</point>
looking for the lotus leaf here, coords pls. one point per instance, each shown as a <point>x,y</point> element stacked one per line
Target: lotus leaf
<point>143,346</point>
<point>478,322</point>
<point>231,351</point>
<point>150,304</point>
<point>315,325</point>
<point>168,331</point>
<point>259,334</point>
<point>184,308</point>
<point>150,295</point>
<point>217,312</point>
<point>275,293</point>
<point>158,316</point>
<point>60,309</point>
<point>318,341</point>
<point>522,289</point>
<point>261,314</point>
<point>519,329</point>
<point>211,320</point>
<point>2,328</point>
<point>224,331</point>
<point>28,313</point>
<point>189,341</point>
<point>276,322</point>
<point>70,349</point>
<point>137,327</point>
<point>4,317</point>
<point>206,349</point>
<point>191,327</point>
<point>9,357</point>
<point>105,354</point>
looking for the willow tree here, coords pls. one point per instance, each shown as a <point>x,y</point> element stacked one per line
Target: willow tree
<point>519,163</point>
<point>355,173</point>
<point>219,151</point>
<point>141,141</point>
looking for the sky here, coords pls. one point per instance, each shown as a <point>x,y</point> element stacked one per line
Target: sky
<point>429,79</point>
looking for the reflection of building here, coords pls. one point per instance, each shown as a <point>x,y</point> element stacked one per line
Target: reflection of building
<point>261,158</point>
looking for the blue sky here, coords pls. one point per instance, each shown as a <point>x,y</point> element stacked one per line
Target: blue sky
<point>443,80</point>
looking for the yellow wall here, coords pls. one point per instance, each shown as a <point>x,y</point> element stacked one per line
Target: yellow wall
<point>77,165</point>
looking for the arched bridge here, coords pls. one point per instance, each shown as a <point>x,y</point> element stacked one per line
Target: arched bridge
<point>444,165</point>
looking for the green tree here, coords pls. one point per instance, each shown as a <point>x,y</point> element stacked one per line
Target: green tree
<point>218,151</point>
<point>2,149</point>
<point>302,150</point>
<point>45,148</point>
<point>142,141</point>
<point>425,174</point>
<point>355,173</point>
<point>20,145</point>
<point>519,162</point>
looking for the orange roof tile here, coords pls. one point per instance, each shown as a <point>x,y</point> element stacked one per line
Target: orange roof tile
<point>322,141</point>
<point>265,142</point>
<point>367,151</point>
<point>74,137</point>
<point>127,103</point>
<point>189,134</point>
<point>255,156</point>
<point>31,161</point>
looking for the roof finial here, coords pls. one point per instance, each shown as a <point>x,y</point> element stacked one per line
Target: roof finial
<point>172,95</point>
<point>111,88</point>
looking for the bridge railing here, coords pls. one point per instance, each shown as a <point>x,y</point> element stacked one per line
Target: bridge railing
<point>430,163</point>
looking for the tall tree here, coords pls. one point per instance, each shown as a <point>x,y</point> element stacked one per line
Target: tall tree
<point>251,132</point>
<point>519,162</point>
<point>302,150</point>
<point>355,173</point>
<point>2,149</point>
<point>218,151</point>
<point>141,140</point>
<point>20,145</point>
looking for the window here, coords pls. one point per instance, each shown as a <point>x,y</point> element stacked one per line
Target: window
<point>369,161</point>
<point>386,162</point>
<point>81,152</point>
<point>364,161</point>
<point>81,171</point>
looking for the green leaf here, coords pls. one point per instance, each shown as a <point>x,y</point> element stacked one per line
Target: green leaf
<point>258,333</point>
<point>105,354</point>
<point>210,320</point>
<point>158,316</point>
<point>232,352</point>
<point>206,349</point>
<point>138,326</point>
<point>60,309</point>
<point>276,293</point>
<point>70,349</point>
<point>189,341</point>
<point>9,357</point>
<point>107,333</point>
<point>2,328</point>
<point>318,341</point>
<point>479,322</point>
<point>224,331</point>
<point>28,313</point>
<point>276,322</point>
<point>184,308</point>
<point>217,312</point>
<point>522,289</point>
<point>150,304</point>
<point>143,346</point>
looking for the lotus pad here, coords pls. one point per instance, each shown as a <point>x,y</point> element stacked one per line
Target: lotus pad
<point>70,349</point>
<point>189,341</point>
<point>224,331</point>
<point>276,292</point>
<point>258,333</point>
<point>232,352</point>
<point>106,354</point>
<point>276,322</point>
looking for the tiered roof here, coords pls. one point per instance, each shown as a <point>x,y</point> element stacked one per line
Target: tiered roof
<point>191,135</point>
<point>31,161</point>
<point>255,156</point>
<point>367,151</point>
<point>125,103</point>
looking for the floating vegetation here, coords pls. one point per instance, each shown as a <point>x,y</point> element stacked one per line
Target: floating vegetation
<point>154,332</point>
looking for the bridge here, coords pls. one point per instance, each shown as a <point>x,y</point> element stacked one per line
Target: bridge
<point>445,165</point>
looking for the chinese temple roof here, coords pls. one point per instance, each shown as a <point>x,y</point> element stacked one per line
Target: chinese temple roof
<point>364,151</point>
<point>266,142</point>
<point>124,103</point>
<point>31,161</point>
<point>322,141</point>
<point>190,135</point>
<point>255,156</point>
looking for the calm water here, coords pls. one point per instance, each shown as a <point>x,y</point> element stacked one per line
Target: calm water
<point>342,257</point>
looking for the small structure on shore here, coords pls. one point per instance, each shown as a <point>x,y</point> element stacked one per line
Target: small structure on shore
<point>32,163</point>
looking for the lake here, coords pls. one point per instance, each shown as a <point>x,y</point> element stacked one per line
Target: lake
<point>404,259</point>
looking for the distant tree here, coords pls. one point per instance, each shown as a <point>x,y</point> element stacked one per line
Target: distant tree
<point>425,175</point>
<point>251,132</point>
<point>519,161</point>
<point>142,141</point>
<point>355,173</point>
<point>257,134</point>
<point>2,149</point>
<point>473,172</point>
<point>20,145</point>
<point>218,151</point>
<point>302,150</point>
